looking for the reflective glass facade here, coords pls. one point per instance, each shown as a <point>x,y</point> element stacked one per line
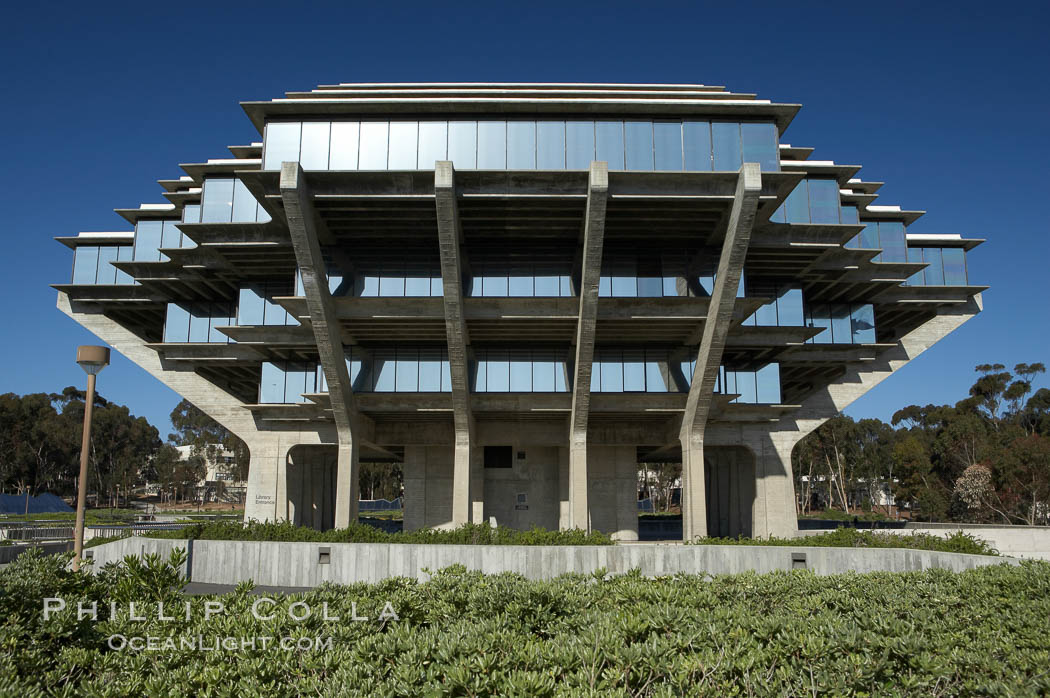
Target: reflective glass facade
<point>226,200</point>
<point>888,236</point>
<point>947,266</point>
<point>92,264</point>
<point>814,201</point>
<point>255,305</point>
<point>520,371</point>
<point>152,236</point>
<point>394,280</point>
<point>499,281</point>
<point>785,311</point>
<point>843,323</point>
<point>675,145</point>
<point>287,381</point>
<point>633,277</point>
<point>198,322</point>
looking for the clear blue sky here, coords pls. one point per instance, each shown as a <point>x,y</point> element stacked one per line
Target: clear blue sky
<point>948,106</point>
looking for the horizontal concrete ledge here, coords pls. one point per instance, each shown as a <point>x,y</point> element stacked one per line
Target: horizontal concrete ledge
<point>1016,541</point>
<point>311,564</point>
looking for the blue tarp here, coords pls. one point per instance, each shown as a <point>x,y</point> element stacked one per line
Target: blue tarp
<point>45,503</point>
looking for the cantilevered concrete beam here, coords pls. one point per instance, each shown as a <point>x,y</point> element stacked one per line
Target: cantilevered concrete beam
<point>591,269</point>
<point>465,485</point>
<point>712,343</point>
<point>299,211</point>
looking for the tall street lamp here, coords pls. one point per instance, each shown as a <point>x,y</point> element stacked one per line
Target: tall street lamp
<point>92,360</point>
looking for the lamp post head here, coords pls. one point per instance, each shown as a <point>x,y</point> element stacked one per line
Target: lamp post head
<point>92,359</point>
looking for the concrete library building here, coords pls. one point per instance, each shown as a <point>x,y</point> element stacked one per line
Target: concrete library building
<point>519,293</point>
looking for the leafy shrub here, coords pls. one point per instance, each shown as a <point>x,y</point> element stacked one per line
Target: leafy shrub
<point>467,534</point>
<point>981,632</point>
<point>958,542</point>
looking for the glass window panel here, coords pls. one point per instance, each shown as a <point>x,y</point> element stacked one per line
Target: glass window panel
<point>547,286</point>
<point>796,206</point>
<point>217,200</point>
<point>372,151</point>
<point>707,284</point>
<point>609,143</point>
<point>147,240</point>
<point>281,144</point>
<point>543,370</point>
<point>176,324</point>
<point>634,371</point>
<point>521,145</point>
<point>670,285</point>
<point>596,377</point>
<point>437,286</point>
<point>820,316</point>
<point>124,254</point>
<point>492,145</point>
<point>481,376</point>
<point>429,370</point>
<point>273,314</point>
<point>766,315</point>
<point>199,323</point>
<point>579,144</point>
<point>650,287</point>
<point>520,286</point>
<point>244,204</point>
<point>919,277</point>
<point>612,375</point>
<point>520,375</point>
<point>498,372</point>
<point>849,214</point>
<point>823,201</point>
<point>841,329</point>
<point>869,237</point>
<point>407,378</point>
<point>696,135</point>
<point>638,137</point>
<point>384,364</point>
<point>932,255</point>
<point>170,236</point>
<point>314,152</point>
<point>892,241</point>
<point>767,381</point>
<point>271,386</point>
<point>954,266</point>
<point>494,286</point>
<point>463,144</point>
<point>433,143</point>
<point>561,376</point>
<point>863,320</point>
<point>745,387</point>
<point>550,145</point>
<point>220,317</point>
<point>391,286</point>
<point>656,375</point>
<point>624,286</point>
<point>107,273</point>
<point>789,308</point>
<point>85,264</point>
<point>249,307</point>
<point>760,145</point>
<point>667,144</point>
<point>604,286</point>
<point>403,136</point>
<point>343,152</point>
<point>417,286</point>
<point>565,286</point>
<point>725,139</point>
<point>370,287</point>
<point>446,378</point>
<point>191,213</point>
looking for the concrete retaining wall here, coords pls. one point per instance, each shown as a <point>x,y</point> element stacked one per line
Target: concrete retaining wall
<point>1016,541</point>
<point>300,564</point>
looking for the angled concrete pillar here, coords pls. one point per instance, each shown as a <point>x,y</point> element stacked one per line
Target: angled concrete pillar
<point>590,274</point>
<point>467,491</point>
<point>299,211</point>
<point>712,343</point>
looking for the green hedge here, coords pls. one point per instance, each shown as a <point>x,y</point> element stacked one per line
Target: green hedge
<point>981,632</point>
<point>958,542</point>
<point>468,534</point>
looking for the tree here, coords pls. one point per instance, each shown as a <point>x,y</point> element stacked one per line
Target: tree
<point>208,439</point>
<point>1023,478</point>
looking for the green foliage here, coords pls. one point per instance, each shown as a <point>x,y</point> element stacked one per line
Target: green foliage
<point>467,534</point>
<point>464,633</point>
<point>838,515</point>
<point>957,542</point>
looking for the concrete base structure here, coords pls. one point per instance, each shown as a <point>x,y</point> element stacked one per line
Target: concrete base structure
<point>302,564</point>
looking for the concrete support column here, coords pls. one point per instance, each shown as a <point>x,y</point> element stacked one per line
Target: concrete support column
<point>467,485</point>
<point>302,227</point>
<point>264,500</point>
<point>593,242</point>
<point>712,343</point>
